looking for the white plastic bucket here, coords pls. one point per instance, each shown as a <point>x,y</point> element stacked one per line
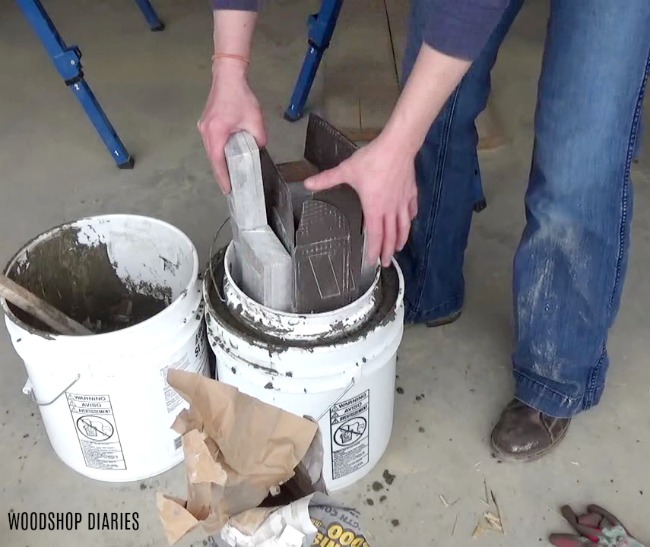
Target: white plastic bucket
<point>104,398</point>
<point>347,385</point>
<point>309,327</point>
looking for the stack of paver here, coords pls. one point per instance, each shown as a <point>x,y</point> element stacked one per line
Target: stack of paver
<point>296,251</point>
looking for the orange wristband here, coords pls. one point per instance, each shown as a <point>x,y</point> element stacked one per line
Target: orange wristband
<point>230,56</point>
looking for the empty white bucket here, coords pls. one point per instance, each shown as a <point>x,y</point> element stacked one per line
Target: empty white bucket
<point>347,384</point>
<point>104,398</point>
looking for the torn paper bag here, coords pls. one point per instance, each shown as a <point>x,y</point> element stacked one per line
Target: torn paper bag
<point>237,451</point>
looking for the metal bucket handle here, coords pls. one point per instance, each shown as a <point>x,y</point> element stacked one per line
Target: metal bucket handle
<point>347,389</point>
<point>28,389</point>
<point>217,286</point>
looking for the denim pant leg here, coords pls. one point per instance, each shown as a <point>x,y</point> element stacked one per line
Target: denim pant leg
<point>571,262</point>
<point>448,181</point>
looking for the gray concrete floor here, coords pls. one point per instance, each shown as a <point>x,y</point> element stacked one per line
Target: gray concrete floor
<point>53,168</point>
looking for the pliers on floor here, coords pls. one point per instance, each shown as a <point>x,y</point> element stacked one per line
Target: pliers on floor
<point>596,527</point>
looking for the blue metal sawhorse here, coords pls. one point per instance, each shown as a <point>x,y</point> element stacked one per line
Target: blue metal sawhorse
<point>67,61</point>
<point>321,27</point>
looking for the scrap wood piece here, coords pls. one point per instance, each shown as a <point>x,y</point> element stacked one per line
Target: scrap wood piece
<point>496,504</point>
<point>297,171</point>
<point>447,504</point>
<point>486,501</point>
<point>39,308</point>
<point>489,521</point>
<point>493,521</point>
<point>488,127</point>
<point>478,531</point>
<point>361,134</point>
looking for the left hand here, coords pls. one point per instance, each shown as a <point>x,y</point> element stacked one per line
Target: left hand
<point>231,107</point>
<point>383,175</point>
<point>596,527</point>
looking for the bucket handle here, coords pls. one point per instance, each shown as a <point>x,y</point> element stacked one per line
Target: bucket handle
<point>348,388</point>
<point>214,283</point>
<point>28,389</point>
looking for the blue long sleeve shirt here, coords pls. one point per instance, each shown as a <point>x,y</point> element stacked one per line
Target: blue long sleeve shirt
<point>459,28</point>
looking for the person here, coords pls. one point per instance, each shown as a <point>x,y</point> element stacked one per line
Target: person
<point>417,182</point>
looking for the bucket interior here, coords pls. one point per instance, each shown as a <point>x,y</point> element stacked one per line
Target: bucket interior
<point>107,273</point>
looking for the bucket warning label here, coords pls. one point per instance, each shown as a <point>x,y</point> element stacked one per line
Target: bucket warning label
<point>94,423</point>
<point>194,360</point>
<point>350,425</point>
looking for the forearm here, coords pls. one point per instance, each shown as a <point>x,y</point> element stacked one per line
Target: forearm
<point>434,77</point>
<point>233,32</point>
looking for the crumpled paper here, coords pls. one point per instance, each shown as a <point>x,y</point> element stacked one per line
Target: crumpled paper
<point>315,519</point>
<point>237,450</point>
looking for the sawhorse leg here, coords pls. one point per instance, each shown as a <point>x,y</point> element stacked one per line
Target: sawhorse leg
<point>321,28</point>
<point>155,24</point>
<point>67,62</point>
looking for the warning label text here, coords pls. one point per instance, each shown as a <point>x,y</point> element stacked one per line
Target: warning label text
<point>350,423</point>
<point>96,430</point>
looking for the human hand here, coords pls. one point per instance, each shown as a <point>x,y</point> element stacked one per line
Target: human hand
<point>383,175</point>
<point>231,107</point>
<point>596,527</point>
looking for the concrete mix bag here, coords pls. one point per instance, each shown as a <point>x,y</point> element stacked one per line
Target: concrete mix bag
<point>315,520</point>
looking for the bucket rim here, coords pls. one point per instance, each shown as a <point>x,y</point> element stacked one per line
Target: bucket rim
<point>43,236</point>
<point>291,316</point>
<point>271,345</point>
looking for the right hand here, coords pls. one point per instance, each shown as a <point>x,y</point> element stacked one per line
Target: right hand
<point>231,107</point>
<point>383,175</point>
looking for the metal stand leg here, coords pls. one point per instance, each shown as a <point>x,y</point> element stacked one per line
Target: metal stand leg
<point>321,28</point>
<point>155,24</point>
<point>67,62</point>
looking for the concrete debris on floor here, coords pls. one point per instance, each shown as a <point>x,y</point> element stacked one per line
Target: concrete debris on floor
<point>452,381</point>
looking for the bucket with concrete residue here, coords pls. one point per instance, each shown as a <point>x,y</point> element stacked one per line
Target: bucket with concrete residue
<point>344,379</point>
<point>104,398</point>
<point>298,326</point>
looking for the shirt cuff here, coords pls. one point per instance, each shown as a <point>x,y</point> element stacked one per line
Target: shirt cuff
<point>240,5</point>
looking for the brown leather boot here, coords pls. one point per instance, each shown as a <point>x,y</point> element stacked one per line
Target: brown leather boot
<point>525,434</point>
<point>444,320</point>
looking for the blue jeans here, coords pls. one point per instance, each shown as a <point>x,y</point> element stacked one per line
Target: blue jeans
<point>571,261</point>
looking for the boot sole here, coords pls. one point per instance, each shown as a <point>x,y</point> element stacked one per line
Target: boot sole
<point>444,321</point>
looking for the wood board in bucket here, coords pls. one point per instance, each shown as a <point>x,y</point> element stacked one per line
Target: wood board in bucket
<point>104,398</point>
<point>346,383</point>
